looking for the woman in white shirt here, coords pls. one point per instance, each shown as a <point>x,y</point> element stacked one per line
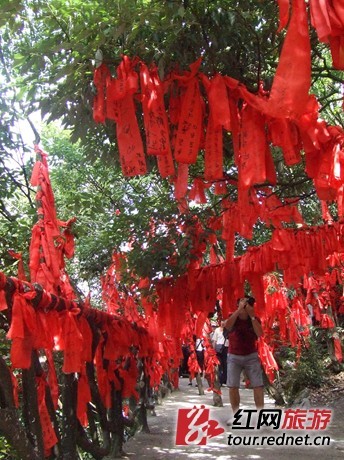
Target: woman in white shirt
<point>220,343</point>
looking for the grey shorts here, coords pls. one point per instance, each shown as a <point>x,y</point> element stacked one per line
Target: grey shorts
<point>250,363</point>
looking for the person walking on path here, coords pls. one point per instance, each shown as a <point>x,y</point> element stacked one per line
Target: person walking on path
<point>244,329</point>
<point>220,344</point>
<point>199,348</point>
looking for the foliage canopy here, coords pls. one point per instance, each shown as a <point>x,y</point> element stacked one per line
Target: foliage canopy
<point>47,53</point>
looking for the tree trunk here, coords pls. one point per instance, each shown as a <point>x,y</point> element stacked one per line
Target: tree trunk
<point>97,401</point>
<point>217,398</point>
<point>142,416</point>
<point>15,434</point>
<point>10,426</point>
<point>117,425</point>
<point>69,420</point>
<point>199,385</point>
<point>31,416</point>
<point>144,396</point>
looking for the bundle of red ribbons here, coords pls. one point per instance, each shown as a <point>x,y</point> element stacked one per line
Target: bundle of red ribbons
<point>287,117</point>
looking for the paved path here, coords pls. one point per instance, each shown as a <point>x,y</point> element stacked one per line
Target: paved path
<point>160,443</point>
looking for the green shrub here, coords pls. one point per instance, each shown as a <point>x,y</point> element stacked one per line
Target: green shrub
<point>6,452</point>
<point>310,371</point>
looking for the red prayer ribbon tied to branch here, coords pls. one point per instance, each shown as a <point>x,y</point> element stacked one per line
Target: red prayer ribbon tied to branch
<point>290,87</point>
<point>48,432</point>
<point>49,245</point>
<point>23,329</point>
<point>121,92</point>
<point>45,324</point>
<point>328,19</point>
<point>288,117</point>
<point>267,359</point>
<point>155,120</point>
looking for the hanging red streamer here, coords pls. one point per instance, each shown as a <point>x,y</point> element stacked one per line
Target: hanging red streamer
<point>289,92</point>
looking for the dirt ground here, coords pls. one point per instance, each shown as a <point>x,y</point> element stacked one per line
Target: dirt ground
<point>160,443</point>
<point>332,395</point>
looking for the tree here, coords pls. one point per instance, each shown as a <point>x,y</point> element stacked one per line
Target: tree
<point>48,52</point>
<point>48,55</point>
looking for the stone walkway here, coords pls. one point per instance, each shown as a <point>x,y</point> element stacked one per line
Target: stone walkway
<point>160,443</point>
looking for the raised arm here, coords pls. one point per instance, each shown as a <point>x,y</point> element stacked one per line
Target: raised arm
<point>257,327</point>
<point>229,323</point>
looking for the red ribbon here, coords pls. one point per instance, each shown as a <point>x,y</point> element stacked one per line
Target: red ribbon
<point>130,377</point>
<point>155,116</point>
<point>71,342</point>
<point>326,321</point>
<point>48,432</point>
<point>3,302</point>
<point>219,103</point>
<point>328,19</point>
<point>181,184</point>
<point>253,149</point>
<point>52,378</point>
<point>102,377</point>
<point>19,257</point>
<point>283,6</point>
<point>22,330</point>
<point>101,75</point>
<point>84,397</point>
<point>130,144</point>
<point>213,157</point>
<point>284,134</point>
<point>188,138</point>
<point>197,192</point>
<point>338,349</point>
<point>267,359</point>
<point>289,92</point>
